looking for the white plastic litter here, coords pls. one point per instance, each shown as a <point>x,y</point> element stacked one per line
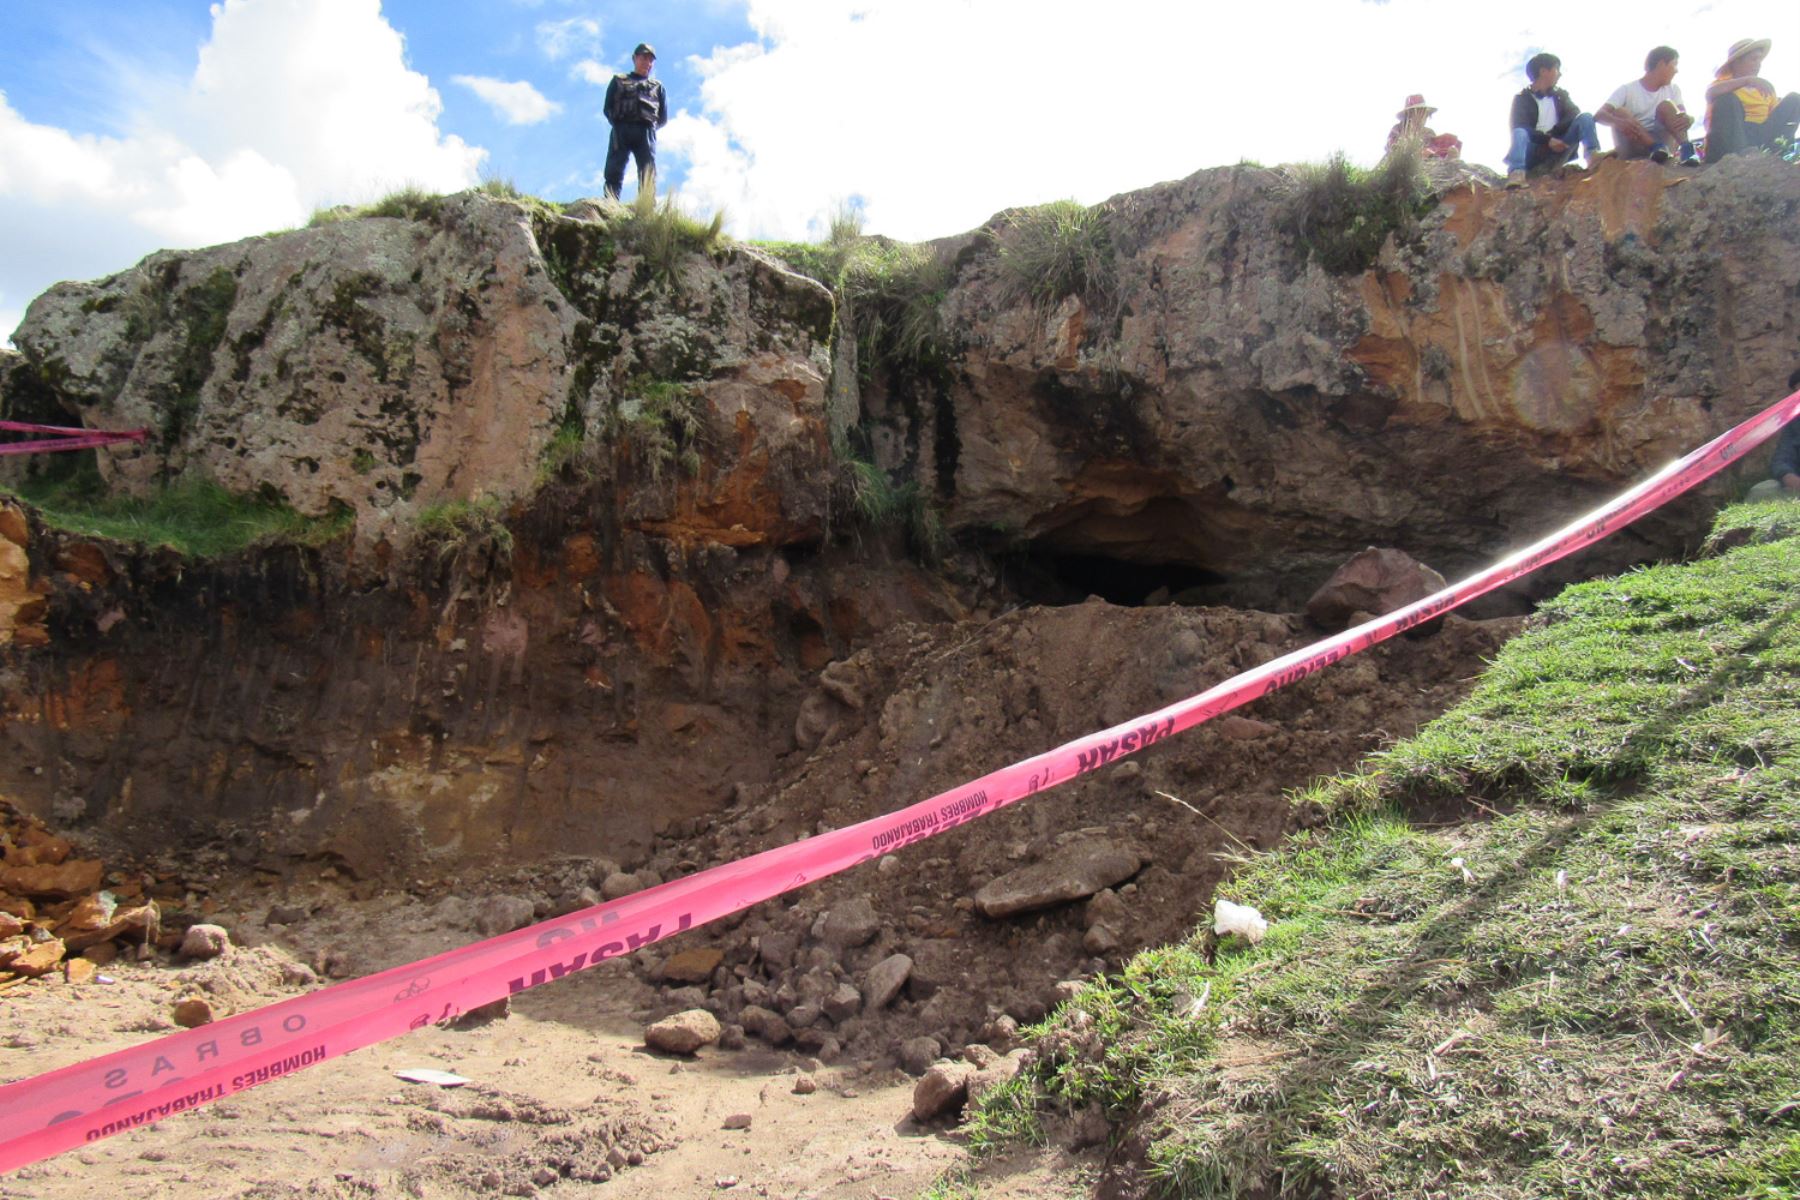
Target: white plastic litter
<point>431,1075</point>
<point>1240,919</point>
<point>1468,876</point>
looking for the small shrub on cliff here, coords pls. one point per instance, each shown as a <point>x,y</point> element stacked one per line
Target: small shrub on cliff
<point>661,424</point>
<point>1056,250</point>
<point>1340,214</point>
<point>895,290</point>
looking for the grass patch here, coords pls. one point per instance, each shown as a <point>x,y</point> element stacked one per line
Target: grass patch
<point>664,235</point>
<point>458,523</point>
<point>895,291</point>
<point>1593,993</point>
<point>1056,250</point>
<point>824,260</point>
<point>1339,214</point>
<point>409,203</point>
<point>192,516</point>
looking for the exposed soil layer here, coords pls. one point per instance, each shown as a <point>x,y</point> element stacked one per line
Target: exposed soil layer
<point>563,1082</point>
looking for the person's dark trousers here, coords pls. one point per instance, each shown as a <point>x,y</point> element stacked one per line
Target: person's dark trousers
<point>1728,133</point>
<point>630,141</point>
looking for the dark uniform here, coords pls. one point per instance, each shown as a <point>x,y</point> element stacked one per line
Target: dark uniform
<point>636,108</point>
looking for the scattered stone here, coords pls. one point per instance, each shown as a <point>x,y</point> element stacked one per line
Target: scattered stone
<point>482,1014</point>
<point>34,959</point>
<point>885,980</point>
<point>205,941</point>
<point>805,1085</point>
<point>778,949</point>
<point>1105,908</point>
<point>1066,990</point>
<point>691,966</point>
<point>193,1012</point>
<point>918,1053</point>
<point>544,1177</point>
<point>1100,940</point>
<point>1378,580</point>
<point>1243,729</point>
<point>683,1033</point>
<point>850,924</point>
<point>66,880</point>
<point>738,1121</point>
<point>731,1037</point>
<point>285,914</point>
<point>1072,872</point>
<point>618,885</point>
<point>79,970</point>
<point>843,1003</point>
<point>942,1090</point>
<point>503,914</point>
<point>762,1023</point>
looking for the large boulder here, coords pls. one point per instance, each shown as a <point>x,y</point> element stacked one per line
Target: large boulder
<point>391,366</point>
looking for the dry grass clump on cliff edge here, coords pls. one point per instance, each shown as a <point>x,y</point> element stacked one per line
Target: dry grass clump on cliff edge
<point>1340,214</point>
<point>664,234</point>
<point>1057,250</point>
<point>1594,992</point>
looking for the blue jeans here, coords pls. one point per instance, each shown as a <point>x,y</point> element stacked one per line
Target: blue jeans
<point>1526,154</point>
<point>630,141</point>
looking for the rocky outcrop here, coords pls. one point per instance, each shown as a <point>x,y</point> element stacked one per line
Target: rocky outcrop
<point>1237,410</point>
<point>392,366</point>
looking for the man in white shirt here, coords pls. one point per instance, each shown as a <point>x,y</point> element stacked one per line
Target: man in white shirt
<point>1647,116</point>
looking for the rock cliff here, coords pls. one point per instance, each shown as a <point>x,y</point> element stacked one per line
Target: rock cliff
<point>608,545</point>
<point>1239,411</point>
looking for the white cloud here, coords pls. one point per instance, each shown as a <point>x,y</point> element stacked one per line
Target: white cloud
<point>292,104</point>
<point>571,35</point>
<point>941,112</point>
<point>593,71</point>
<point>516,103</point>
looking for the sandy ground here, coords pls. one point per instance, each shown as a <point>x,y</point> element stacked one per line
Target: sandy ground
<point>561,1087</point>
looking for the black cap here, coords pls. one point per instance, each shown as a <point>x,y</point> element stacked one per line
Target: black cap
<point>644,48</point>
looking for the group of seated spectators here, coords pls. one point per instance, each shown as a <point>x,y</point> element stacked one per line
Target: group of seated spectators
<point>1648,118</point>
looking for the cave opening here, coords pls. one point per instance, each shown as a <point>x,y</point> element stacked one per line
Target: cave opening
<point>1043,575</point>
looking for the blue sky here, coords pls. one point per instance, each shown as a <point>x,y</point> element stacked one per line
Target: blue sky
<point>132,125</point>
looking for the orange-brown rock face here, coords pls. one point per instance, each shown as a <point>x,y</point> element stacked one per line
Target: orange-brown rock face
<point>22,603</point>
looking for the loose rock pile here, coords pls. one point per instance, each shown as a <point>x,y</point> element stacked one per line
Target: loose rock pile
<point>57,923</point>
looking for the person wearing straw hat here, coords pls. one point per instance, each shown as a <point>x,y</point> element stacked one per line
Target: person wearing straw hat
<point>1742,112</point>
<point>1412,125</point>
<point>636,107</point>
<point>1647,116</point>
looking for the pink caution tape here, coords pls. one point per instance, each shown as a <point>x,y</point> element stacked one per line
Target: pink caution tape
<point>94,1099</point>
<point>63,439</point>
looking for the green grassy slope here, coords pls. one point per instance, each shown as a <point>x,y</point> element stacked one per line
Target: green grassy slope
<point>1548,947</point>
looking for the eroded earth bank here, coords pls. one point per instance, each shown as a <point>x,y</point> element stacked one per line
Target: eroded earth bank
<point>618,551</point>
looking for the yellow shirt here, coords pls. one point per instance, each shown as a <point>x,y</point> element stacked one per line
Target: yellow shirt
<point>1757,101</point>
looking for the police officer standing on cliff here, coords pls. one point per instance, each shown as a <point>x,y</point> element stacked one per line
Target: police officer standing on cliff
<point>636,108</point>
